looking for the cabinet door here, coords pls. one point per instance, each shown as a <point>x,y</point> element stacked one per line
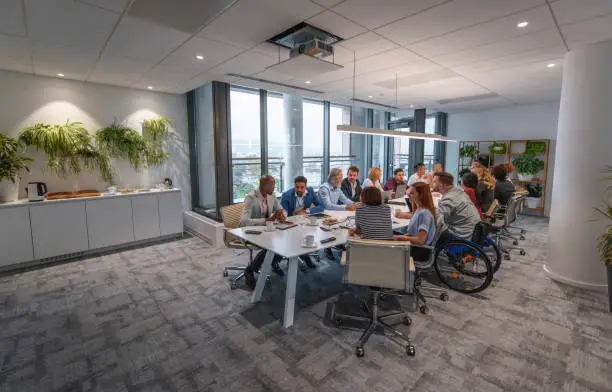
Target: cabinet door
<point>15,236</point>
<point>145,212</point>
<point>170,213</point>
<point>109,222</point>
<point>58,229</point>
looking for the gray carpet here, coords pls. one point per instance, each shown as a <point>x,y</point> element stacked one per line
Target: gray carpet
<point>161,318</point>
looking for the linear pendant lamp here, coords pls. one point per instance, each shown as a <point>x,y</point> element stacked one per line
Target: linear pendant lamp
<point>382,132</point>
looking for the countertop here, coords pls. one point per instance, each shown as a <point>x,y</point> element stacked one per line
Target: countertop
<point>27,203</point>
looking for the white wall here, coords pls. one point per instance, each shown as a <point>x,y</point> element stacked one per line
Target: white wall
<point>26,100</point>
<point>538,121</point>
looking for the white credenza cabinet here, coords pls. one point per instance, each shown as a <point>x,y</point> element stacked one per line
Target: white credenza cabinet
<point>15,236</point>
<point>170,213</point>
<point>145,213</point>
<point>109,222</point>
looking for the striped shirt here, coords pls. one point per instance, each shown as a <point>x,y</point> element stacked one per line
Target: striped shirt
<point>374,222</point>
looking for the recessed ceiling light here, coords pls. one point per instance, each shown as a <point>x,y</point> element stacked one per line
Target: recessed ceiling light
<point>308,82</point>
<point>370,96</point>
<point>551,65</point>
<point>200,57</point>
<point>522,23</point>
<point>61,75</point>
<point>150,87</point>
<point>411,105</point>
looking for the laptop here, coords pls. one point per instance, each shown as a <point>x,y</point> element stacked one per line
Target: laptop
<point>386,196</point>
<point>400,191</point>
<point>409,204</point>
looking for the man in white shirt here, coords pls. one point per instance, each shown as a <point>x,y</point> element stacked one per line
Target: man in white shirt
<point>419,175</point>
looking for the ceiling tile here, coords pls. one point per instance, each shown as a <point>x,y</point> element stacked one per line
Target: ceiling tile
<point>498,30</point>
<point>247,63</point>
<point>277,77</point>
<point>74,63</point>
<point>548,39</point>
<point>388,75</point>
<point>111,5</point>
<point>386,60</point>
<point>11,18</point>
<point>214,53</point>
<point>448,88</point>
<point>142,40</point>
<point>249,23</point>
<point>166,75</point>
<point>327,3</point>
<point>372,14</point>
<point>449,17</point>
<point>15,54</point>
<point>278,52</point>
<point>367,44</point>
<point>589,31</point>
<point>570,11</point>
<point>73,24</point>
<point>337,25</point>
<point>117,70</point>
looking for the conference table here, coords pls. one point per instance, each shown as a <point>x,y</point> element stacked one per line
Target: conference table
<point>289,243</point>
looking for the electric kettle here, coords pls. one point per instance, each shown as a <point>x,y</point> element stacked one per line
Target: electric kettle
<point>36,191</point>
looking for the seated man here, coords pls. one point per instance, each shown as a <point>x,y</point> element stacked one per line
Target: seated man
<point>392,183</point>
<point>351,187</point>
<point>261,206</point>
<point>419,174</point>
<point>300,199</point>
<point>456,212</point>
<point>330,195</point>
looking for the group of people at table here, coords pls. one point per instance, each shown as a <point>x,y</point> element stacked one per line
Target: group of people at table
<point>458,212</point>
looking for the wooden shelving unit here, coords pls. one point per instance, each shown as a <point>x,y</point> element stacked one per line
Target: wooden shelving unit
<point>514,148</point>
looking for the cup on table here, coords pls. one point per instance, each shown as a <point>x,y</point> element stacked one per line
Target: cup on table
<point>269,226</point>
<point>309,240</point>
<point>312,220</point>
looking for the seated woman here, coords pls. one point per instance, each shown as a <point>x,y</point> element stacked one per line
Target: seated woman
<point>469,182</point>
<point>504,189</point>
<point>435,168</point>
<point>372,217</point>
<point>484,189</point>
<point>422,227</point>
<point>373,179</point>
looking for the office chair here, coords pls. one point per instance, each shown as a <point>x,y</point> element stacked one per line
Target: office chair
<point>231,219</point>
<point>424,258</point>
<point>378,264</point>
<point>501,232</point>
<point>520,196</point>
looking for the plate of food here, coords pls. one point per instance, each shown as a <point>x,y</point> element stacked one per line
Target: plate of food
<point>329,221</point>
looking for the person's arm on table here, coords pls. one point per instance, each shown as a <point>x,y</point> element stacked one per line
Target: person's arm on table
<point>316,206</point>
<point>325,198</point>
<point>417,240</point>
<point>285,203</point>
<point>403,214</point>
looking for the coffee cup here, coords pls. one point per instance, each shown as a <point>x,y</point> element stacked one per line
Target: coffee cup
<point>312,220</point>
<point>269,226</point>
<point>309,240</point>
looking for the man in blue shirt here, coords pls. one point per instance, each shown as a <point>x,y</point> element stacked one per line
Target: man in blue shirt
<point>300,199</point>
<point>331,196</point>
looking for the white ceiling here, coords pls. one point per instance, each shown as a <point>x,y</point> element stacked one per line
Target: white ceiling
<point>437,49</point>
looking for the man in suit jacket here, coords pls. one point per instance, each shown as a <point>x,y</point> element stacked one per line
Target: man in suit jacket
<point>301,199</point>
<point>261,206</point>
<point>350,185</point>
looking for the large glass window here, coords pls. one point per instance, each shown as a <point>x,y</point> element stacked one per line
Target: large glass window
<point>429,155</point>
<point>401,146</point>
<point>246,141</point>
<point>277,139</point>
<point>339,142</point>
<point>378,144</point>
<point>312,121</point>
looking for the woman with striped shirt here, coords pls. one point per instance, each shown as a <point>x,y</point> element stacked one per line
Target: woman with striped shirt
<point>372,217</point>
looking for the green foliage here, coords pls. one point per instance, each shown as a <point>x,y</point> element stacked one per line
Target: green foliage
<point>469,151</point>
<point>67,147</point>
<point>604,241</point>
<point>120,141</point>
<point>528,164</point>
<point>155,131</point>
<point>535,148</point>
<point>534,189</point>
<point>498,148</point>
<point>12,163</point>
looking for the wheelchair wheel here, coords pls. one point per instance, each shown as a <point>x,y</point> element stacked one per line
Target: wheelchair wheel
<point>494,254</point>
<point>463,267</point>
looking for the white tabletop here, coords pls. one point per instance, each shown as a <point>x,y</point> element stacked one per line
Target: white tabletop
<point>289,243</point>
<point>402,201</point>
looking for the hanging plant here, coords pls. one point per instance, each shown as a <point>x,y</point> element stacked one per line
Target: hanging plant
<point>155,131</point>
<point>12,163</point>
<point>528,164</point>
<point>122,142</point>
<point>469,151</point>
<point>497,148</point>
<point>67,147</point>
<point>535,147</point>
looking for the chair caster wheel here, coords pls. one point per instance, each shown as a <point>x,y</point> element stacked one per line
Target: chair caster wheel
<point>359,352</point>
<point>523,253</point>
<point>506,257</point>
<point>338,322</point>
<point>424,309</point>
<point>522,237</point>
<point>515,242</point>
<point>407,321</point>
<point>410,350</point>
<point>443,297</point>
<point>225,273</point>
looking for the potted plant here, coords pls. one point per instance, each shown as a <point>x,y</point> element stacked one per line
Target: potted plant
<point>155,131</point>
<point>469,151</point>
<point>534,195</point>
<point>604,241</point>
<point>122,142</point>
<point>528,166</point>
<point>497,148</point>
<point>12,165</point>
<point>535,148</point>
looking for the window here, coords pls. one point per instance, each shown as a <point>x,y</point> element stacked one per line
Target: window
<point>339,142</point>
<point>246,141</point>
<point>401,146</point>
<point>429,155</point>
<point>277,140</point>
<point>312,139</point>
<point>378,144</point>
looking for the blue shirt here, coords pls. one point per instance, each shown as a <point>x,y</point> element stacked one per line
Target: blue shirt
<point>332,198</point>
<point>422,220</point>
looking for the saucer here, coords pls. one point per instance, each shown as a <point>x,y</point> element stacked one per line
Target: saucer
<point>309,246</point>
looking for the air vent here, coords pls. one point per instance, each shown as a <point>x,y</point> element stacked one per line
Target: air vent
<point>468,98</point>
<point>374,103</point>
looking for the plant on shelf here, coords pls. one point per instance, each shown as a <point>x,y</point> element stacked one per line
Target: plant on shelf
<point>497,148</point>
<point>604,241</point>
<point>484,160</point>
<point>68,148</point>
<point>155,131</point>
<point>535,148</point>
<point>469,151</point>
<point>534,195</point>
<point>122,142</point>
<point>528,166</point>
<point>12,165</point>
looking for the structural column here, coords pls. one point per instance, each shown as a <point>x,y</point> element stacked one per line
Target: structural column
<point>294,130</point>
<point>584,147</point>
